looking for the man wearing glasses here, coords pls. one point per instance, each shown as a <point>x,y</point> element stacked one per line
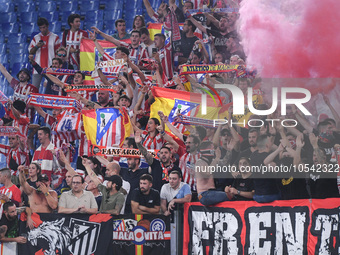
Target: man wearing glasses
<point>62,54</point>
<point>77,200</point>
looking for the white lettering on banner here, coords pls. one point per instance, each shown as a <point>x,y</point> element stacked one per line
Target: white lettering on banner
<point>222,227</point>
<point>259,224</point>
<point>276,230</point>
<point>238,100</point>
<point>325,226</point>
<point>286,235</point>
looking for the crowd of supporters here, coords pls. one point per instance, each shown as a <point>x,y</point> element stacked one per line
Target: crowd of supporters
<point>47,172</point>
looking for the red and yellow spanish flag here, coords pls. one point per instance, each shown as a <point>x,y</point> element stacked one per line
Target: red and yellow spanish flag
<point>89,55</point>
<point>173,102</point>
<point>106,126</point>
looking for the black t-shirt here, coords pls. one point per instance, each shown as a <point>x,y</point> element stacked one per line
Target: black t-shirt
<point>290,187</point>
<point>132,177</point>
<point>246,185</point>
<point>158,175</point>
<point>220,41</point>
<point>262,186</point>
<point>323,188</point>
<point>12,226</point>
<point>151,200</point>
<point>184,46</point>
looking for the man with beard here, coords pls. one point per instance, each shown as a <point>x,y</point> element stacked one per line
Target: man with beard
<point>132,175</point>
<point>188,160</point>
<point>10,220</point>
<point>321,186</point>
<point>184,46</point>
<point>72,38</point>
<point>252,136</point>
<point>220,36</point>
<point>145,199</point>
<point>21,87</point>
<point>160,169</point>
<point>112,200</point>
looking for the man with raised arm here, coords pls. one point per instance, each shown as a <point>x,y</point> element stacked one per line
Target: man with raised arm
<point>113,200</point>
<point>43,199</point>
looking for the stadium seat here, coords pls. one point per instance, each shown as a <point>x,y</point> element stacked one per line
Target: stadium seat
<point>97,23</point>
<point>17,38</point>
<point>8,17</point>
<point>109,25</point>
<point>3,59</point>
<point>50,16</point>
<point>133,4</point>
<point>29,28</point>
<point>113,14</point>
<point>23,1</point>
<point>16,48</point>
<point>2,38</point>
<point>8,28</point>
<point>86,6</point>
<point>94,15</point>
<point>114,5</point>
<point>6,7</point>
<point>15,58</point>
<point>3,49</point>
<point>47,6</point>
<point>28,17</point>
<point>132,13</point>
<point>69,5</point>
<point>55,27</point>
<point>26,7</point>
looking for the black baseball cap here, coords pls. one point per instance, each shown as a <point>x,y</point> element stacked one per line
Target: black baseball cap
<point>115,179</point>
<point>43,177</point>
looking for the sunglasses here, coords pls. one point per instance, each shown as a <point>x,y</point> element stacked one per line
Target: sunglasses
<point>62,55</point>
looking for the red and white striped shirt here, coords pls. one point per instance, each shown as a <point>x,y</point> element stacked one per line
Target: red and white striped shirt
<point>13,193</point>
<point>152,143</point>
<point>136,54</point>
<point>46,53</point>
<point>22,123</point>
<point>83,143</point>
<point>187,165</point>
<point>45,158</point>
<point>53,123</point>
<point>166,60</point>
<point>72,40</point>
<point>21,92</point>
<point>17,155</point>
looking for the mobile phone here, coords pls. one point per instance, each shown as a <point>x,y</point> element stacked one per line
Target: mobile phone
<point>154,50</point>
<point>41,41</point>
